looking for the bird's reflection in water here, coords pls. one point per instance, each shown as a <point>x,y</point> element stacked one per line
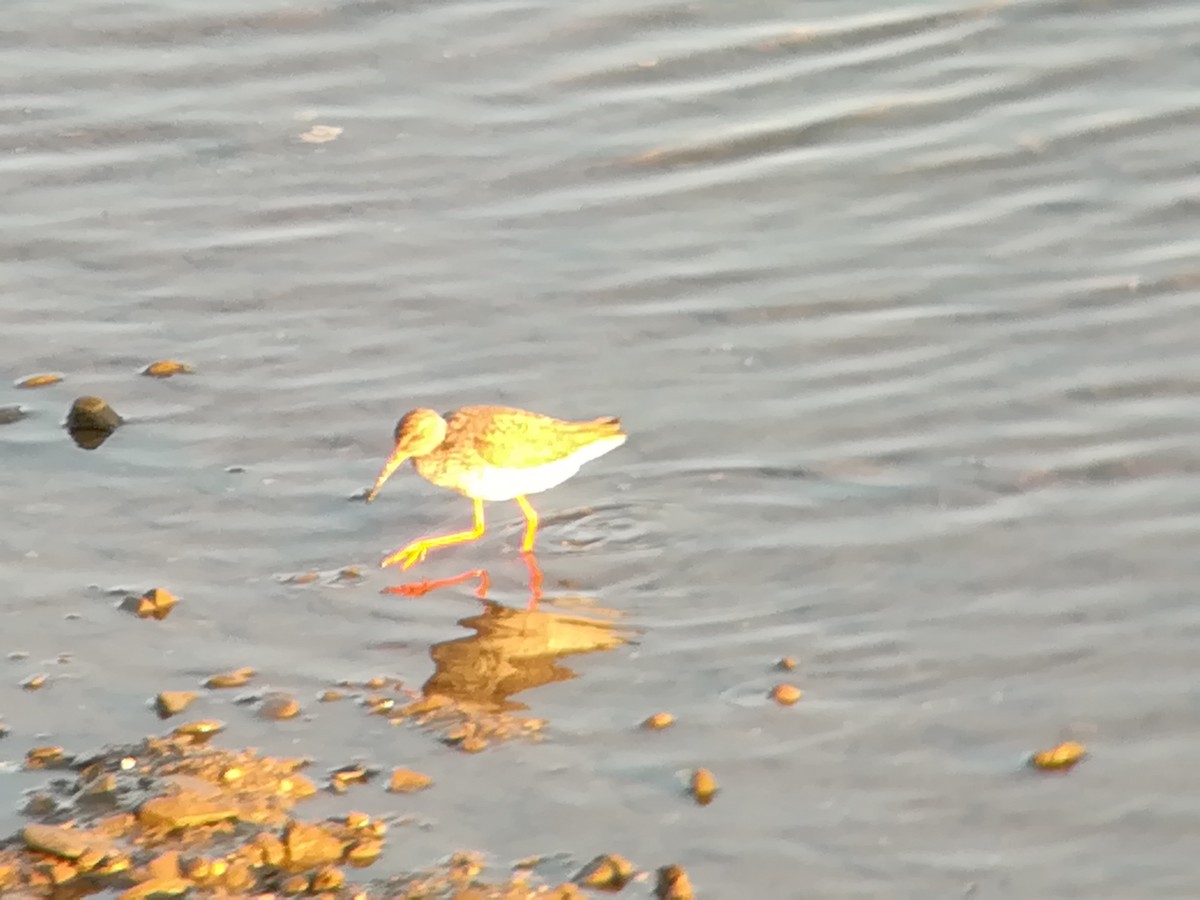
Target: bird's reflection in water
<point>419,588</point>
<point>514,650</point>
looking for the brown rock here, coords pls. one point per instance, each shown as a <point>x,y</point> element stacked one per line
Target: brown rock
<point>34,682</point>
<point>786,694</point>
<point>240,878</point>
<point>294,885</point>
<point>172,703</point>
<point>271,850</point>
<point>606,873</point>
<point>279,705</point>
<point>37,381</point>
<point>309,846</point>
<point>328,878</point>
<point>184,810</point>
<point>659,721</point>
<point>787,664</point>
<point>157,887</point>
<point>406,781</point>
<point>44,757</point>
<point>703,786</point>
<point>364,852</point>
<point>199,731</point>
<point>156,603</point>
<point>63,842</point>
<point>165,867</point>
<point>165,368</point>
<point>91,421</point>
<point>236,678</point>
<point>673,884</point>
<point>1060,758</point>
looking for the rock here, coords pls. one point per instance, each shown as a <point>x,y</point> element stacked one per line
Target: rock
<point>406,781</point>
<point>309,846</point>
<point>171,703</point>
<point>200,731</point>
<point>91,421</point>
<point>606,873</point>
<point>165,368</point>
<point>279,705</point>
<point>703,786</point>
<point>659,721</point>
<point>66,843</point>
<point>184,810</point>
<point>157,887</point>
<point>673,884</point>
<point>786,694</point>
<point>156,603</point>
<point>37,381</point>
<point>236,678</point>
<point>12,413</point>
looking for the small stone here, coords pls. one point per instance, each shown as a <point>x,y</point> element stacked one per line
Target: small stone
<point>331,696</point>
<point>165,368</point>
<point>659,721</point>
<point>673,884</point>
<point>66,843</point>
<point>703,786</point>
<point>236,678</point>
<point>104,784</point>
<point>199,731</point>
<point>91,421</point>
<point>786,694</point>
<point>787,664</point>
<point>37,381</point>
<point>165,867</point>
<point>308,846</point>
<point>156,603</point>
<point>342,778</point>
<point>172,703</point>
<point>34,682</point>
<point>406,781</point>
<point>157,887</point>
<point>278,705</point>
<point>44,757</point>
<point>11,413</point>
<point>184,810</point>
<point>294,885</point>
<point>1064,756</point>
<point>271,850</point>
<point>607,873</point>
<point>327,878</point>
<point>364,852</point>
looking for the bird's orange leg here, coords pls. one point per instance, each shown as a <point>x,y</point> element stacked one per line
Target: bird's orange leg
<point>531,524</point>
<point>420,588</point>
<point>415,552</point>
<point>535,573</point>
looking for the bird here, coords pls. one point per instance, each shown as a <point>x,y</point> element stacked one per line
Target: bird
<point>491,453</point>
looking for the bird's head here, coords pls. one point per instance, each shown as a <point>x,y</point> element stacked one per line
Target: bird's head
<point>418,433</point>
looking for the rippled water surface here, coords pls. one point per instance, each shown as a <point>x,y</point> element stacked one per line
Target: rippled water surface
<point>898,303</point>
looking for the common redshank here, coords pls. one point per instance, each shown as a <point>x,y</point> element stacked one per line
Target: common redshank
<point>492,453</point>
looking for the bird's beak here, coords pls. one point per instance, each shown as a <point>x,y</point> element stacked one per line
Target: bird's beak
<point>393,463</point>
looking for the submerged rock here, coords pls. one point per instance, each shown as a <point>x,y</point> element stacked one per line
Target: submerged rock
<point>91,421</point>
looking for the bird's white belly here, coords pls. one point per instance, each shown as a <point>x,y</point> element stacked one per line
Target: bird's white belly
<point>504,484</point>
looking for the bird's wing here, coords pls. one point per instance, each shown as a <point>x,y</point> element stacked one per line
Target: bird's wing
<point>516,439</point>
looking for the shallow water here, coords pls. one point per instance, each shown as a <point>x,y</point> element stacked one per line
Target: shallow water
<point>898,306</point>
